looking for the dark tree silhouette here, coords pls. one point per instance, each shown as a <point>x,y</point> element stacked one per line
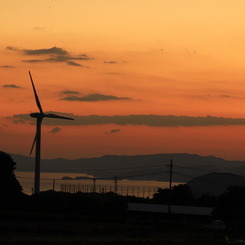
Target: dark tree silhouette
<point>10,187</point>
<point>206,200</point>
<point>181,195</point>
<point>231,204</point>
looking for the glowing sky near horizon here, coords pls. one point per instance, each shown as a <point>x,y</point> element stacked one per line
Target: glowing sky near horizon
<point>172,71</point>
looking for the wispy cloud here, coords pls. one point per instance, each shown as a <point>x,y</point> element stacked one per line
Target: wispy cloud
<point>110,62</point>
<point>94,97</point>
<point>53,50</point>
<point>67,91</point>
<point>53,55</point>
<point>55,130</point>
<point>55,60</point>
<point>72,63</point>
<point>59,58</point>
<point>19,121</point>
<point>6,66</point>
<point>11,86</point>
<point>216,96</point>
<point>11,48</point>
<point>147,120</point>
<point>34,61</point>
<point>113,131</point>
<point>38,28</point>
<point>226,96</point>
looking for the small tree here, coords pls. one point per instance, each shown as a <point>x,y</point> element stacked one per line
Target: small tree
<point>181,195</point>
<point>10,187</point>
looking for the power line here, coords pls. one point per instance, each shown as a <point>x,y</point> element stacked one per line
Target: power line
<point>91,170</point>
<point>196,169</point>
<point>109,169</point>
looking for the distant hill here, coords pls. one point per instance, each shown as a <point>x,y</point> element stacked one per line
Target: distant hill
<point>144,167</point>
<point>215,183</point>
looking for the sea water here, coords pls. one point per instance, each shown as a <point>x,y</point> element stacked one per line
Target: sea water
<point>74,182</point>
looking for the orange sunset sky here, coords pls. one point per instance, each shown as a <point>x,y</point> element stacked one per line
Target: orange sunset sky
<point>138,76</point>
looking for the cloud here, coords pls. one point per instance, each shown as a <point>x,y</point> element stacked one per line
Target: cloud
<point>57,59</point>
<point>218,96</point>
<point>94,97</point>
<point>11,86</point>
<point>44,51</point>
<point>72,63</point>
<point>33,61</point>
<point>113,131</point>
<point>147,120</point>
<point>6,66</point>
<point>110,62</point>
<point>67,91</point>
<point>11,48</point>
<point>21,121</point>
<point>80,57</point>
<point>53,50</point>
<point>54,55</point>
<point>55,130</point>
<point>38,28</point>
<point>226,96</point>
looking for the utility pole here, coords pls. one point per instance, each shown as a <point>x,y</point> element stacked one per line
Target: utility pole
<point>53,184</point>
<point>170,185</point>
<point>115,182</point>
<point>94,185</point>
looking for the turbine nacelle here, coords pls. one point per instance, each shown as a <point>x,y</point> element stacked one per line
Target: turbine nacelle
<point>37,115</point>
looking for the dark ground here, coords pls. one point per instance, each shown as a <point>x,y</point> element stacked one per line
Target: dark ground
<point>26,228</point>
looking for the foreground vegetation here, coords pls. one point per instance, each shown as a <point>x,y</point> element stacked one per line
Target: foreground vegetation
<point>125,228</point>
<point>91,218</point>
<point>82,218</point>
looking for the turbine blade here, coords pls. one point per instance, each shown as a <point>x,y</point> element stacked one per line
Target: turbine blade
<point>57,116</point>
<point>33,144</point>
<point>35,93</point>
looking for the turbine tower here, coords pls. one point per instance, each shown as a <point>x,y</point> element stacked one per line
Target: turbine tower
<point>37,140</point>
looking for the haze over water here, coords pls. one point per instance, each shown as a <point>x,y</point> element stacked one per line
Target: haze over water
<point>135,187</point>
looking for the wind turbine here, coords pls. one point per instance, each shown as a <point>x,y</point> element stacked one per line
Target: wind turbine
<point>37,140</point>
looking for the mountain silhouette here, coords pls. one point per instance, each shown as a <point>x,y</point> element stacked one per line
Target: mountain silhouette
<point>215,183</point>
<point>138,167</point>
